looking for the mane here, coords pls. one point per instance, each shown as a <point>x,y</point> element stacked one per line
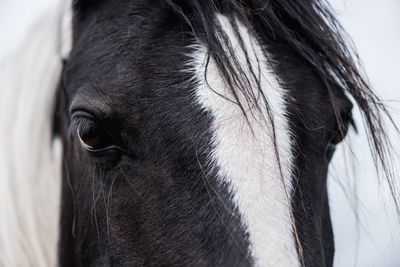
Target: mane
<point>311,29</point>
<point>30,158</point>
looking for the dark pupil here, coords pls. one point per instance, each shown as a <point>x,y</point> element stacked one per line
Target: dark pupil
<point>95,138</point>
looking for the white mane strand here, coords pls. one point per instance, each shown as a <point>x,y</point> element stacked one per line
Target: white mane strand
<point>30,160</point>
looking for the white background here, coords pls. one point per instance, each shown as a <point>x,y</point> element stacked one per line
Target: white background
<point>375,27</point>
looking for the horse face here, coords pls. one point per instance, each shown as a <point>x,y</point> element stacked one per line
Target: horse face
<point>137,146</point>
<point>163,168</point>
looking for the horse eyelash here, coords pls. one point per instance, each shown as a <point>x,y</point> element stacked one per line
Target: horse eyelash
<point>82,124</point>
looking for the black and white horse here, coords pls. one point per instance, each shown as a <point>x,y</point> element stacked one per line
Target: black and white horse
<point>178,133</point>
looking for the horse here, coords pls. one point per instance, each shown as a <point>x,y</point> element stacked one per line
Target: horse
<point>178,133</point>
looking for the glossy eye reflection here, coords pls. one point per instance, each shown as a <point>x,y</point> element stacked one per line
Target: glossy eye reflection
<point>93,138</point>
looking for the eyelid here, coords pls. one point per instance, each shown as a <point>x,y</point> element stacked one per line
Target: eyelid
<point>78,120</point>
<point>89,105</point>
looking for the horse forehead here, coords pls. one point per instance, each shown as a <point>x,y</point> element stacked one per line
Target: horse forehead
<point>128,56</point>
<point>132,75</point>
<point>127,20</point>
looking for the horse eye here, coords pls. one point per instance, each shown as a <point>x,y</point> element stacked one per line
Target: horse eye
<point>94,139</point>
<point>339,137</point>
<point>342,130</point>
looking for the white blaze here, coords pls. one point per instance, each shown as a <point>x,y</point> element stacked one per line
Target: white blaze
<point>246,158</point>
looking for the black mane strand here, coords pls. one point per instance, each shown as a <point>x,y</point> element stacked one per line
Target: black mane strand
<point>310,28</point>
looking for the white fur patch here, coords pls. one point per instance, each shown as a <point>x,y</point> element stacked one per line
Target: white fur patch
<point>30,163</point>
<point>246,159</point>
